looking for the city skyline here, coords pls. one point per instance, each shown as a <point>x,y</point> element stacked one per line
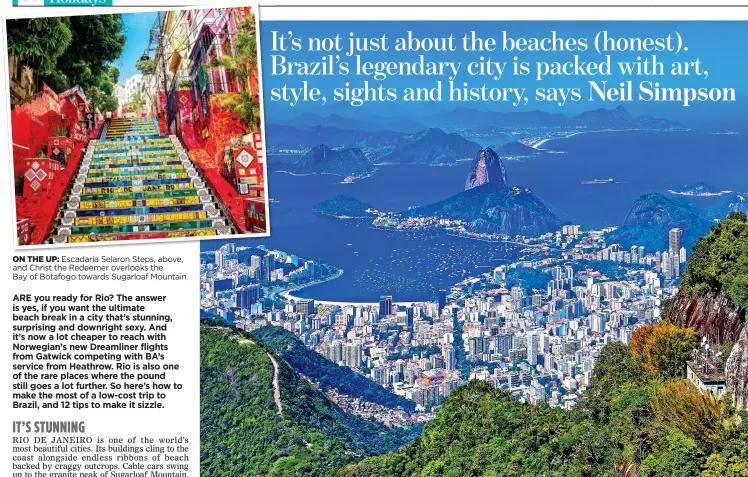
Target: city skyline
<point>540,344</point>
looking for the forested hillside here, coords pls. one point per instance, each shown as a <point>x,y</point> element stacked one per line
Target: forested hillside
<point>241,432</point>
<point>328,374</point>
<point>641,416</point>
<point>719,263</point>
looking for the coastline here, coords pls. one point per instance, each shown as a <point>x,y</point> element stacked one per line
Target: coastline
<point>576,133</point>
<point>452,233</point>
<point>347,303</point>
<point>296,174</point>
<point>430,164</point>
<point>286,295</point>
<point>341,217</point>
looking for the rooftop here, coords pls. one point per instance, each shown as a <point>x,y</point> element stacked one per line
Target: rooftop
<point>709,370</point>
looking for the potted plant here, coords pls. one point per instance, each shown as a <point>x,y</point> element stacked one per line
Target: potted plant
<point>60,146</point>
<point>242,64</point>
<point>185,84</point>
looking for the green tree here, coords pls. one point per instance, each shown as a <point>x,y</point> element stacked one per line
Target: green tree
<point>113,74</point>
<point>663,349</point>
<point>69,51</point>
<point>137,101</point>
<point>241,62</point>
<point>708,420</point>
<point>615,369</point>
<point>738,445</point>
<point>635,425</point>
<point>718,465</point>
<point>719,263</point>
<point>101,93</point>
<point>679,457</point>
<point>146,66</point>
<point>101,100</point>
<point>96,40</point>
<point>665,309</point>
<point>739,286</point>
<point>39,42</point>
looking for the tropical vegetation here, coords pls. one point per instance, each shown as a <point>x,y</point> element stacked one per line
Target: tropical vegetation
<point>719,262</point>
<point>639,414</point>
<point>241,63</point>
<point>146,66</point>
<point>241,431</point>
<point>323,371</point>
<point>72,51</point>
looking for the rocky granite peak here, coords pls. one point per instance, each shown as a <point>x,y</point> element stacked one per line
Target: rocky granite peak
<point>487,168</point>
<point>713,316</point>
<point>736,371</point>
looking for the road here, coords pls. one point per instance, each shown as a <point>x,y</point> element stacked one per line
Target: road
<point>285,291</point>
<point>276,386</point>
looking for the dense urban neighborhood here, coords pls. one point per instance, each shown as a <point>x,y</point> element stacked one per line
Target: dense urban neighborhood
<point>534,327</point>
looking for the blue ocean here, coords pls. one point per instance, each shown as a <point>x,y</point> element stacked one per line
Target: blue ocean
<point>414,265</point>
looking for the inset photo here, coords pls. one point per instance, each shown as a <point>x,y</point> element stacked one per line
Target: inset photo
<point>137,126</point>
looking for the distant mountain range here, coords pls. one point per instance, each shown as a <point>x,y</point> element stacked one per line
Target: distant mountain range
<point>282,137</point>
<point>323,160</point>
<point>490,206</point>
<point>430,146</point>
<point>517,150</point>
<point>372,123</point>
<point>407,141</point>
<point>617,118</point>
<point>602,118</point>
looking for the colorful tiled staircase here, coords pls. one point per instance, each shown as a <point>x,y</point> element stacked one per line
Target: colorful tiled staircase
<point>135,184</point>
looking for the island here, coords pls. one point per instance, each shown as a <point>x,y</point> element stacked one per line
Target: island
<point>344,207</point>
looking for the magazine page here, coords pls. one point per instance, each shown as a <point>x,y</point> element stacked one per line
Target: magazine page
<point>505,241</point>
<point>131,134</point>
